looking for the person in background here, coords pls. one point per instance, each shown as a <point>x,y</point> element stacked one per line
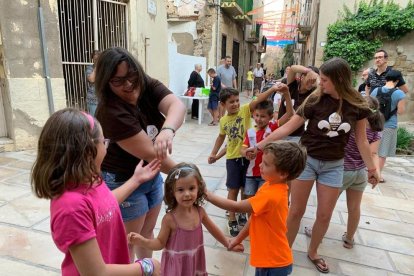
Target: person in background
<point>362,88</point>
<point>376,77</point>
<point>195,80</point>
<point>213,98</point>
<point>249,81</point>
<point>227,74</point>
<point>91,99</point>
<point>258,78</point>
<point>388,145</point>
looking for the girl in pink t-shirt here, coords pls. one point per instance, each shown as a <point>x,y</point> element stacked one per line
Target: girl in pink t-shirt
<point>181,233</point>
<point>85,219</point>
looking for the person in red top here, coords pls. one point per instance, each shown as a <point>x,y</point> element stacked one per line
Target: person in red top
<point>264,126</point>
<point>270,251</point>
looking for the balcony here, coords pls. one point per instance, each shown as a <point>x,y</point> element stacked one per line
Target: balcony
<point>253,33</point>
<point>305,26</point>
<point>238,9</point>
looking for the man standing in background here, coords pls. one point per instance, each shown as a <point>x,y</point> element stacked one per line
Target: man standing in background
<point>227,74</point>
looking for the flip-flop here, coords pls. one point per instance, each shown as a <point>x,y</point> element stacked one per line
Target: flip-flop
<point>319,264</point>
<point>212,124</point>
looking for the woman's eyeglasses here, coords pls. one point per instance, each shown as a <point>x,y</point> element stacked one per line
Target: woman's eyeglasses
<point>132,78</point>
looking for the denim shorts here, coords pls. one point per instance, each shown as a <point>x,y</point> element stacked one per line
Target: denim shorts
<point>148,195</point>
<point>355,180</point>
<point>329,173</point>
<point>274,271</point>
<point>253,183</point>
<point>236,172</point>
<point>212,104</point>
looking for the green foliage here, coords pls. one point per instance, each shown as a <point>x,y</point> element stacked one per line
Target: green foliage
<point>404,138</point>
<point>356,36</point>
<point>288,57</point>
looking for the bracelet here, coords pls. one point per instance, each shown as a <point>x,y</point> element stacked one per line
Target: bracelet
<point>147,266</point>
<point>371,170</point>
<point>170,128</point>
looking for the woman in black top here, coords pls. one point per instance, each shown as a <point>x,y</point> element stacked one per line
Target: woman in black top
<point>195,81</point>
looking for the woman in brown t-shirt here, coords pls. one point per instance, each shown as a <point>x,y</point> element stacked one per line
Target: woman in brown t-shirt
<point>332,111</point>
<point>140,116</point>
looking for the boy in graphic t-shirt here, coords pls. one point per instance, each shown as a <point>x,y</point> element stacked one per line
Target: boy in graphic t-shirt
<point>270,250</point>
<point>263,116</point>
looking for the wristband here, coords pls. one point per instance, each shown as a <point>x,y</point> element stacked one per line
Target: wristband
<point>170,128</point>
<point>371,170</point>
<point>147,266</point>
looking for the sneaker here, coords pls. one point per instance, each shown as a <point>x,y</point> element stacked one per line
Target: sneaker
<point>233,228</point>
<point>242,220</point>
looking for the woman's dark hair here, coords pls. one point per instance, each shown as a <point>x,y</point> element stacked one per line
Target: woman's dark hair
<point>66,154</point>
<point>179,171</point>
<point>107,66</point>
<point>375,119</point>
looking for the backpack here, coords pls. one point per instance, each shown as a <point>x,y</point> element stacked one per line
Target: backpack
<point>384,100</point>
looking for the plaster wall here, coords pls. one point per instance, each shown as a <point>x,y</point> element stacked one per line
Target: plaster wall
<point>148,38</point>
<point>22,79</point>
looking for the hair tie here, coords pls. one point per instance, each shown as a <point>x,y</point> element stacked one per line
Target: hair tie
<point>178,171</point>
<point>90,119</point>
<point>373,110</point>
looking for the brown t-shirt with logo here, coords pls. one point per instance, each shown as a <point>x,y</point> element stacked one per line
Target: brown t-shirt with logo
<point>121,120</point>
<point>327,132</point>
<point>297,100</point>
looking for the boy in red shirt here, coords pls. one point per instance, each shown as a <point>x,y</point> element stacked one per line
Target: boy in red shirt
<point>264,125</point>
<point>270,251</point>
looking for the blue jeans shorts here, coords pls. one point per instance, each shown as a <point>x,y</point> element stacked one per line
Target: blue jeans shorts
<point>236,172</point>
<point>148,195</point>
<point>253,183</point>
<point>295,139</point>
<point>273,271</point>
<point>212,104</point>
<point>355,180</point>
<point>329,173</point>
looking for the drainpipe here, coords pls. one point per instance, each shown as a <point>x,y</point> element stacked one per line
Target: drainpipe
<point>45,60</point>
<point>315,41</point>
<point>95,25</point>
<point>218,33</point>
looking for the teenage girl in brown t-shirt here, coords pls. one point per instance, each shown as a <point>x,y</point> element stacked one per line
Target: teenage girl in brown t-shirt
<point>332,111</point>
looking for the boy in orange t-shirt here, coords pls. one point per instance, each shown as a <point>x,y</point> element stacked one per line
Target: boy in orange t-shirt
<point>270,251</point>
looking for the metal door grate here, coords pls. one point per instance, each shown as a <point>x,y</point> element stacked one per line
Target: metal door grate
<point>76,23</point>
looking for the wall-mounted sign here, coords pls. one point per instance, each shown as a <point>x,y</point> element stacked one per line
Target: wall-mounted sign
<point>323,43</point>
<point>152,7</point>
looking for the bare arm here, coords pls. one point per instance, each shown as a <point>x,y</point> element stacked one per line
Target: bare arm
<point>243,234</point>
<point>401,106</point>
<point>263,96</point>
<point>88,261</point>
<point>404,88</point>
<point>174,112</point>
<point>294,69</point>
<point>242,206</point>
<point>157,243</point>
<point>141,175</point>
<point>91,77</point>
<point>289,107</point>
<point>140,146</point>
<point>213,155</point>
<point>365,150</point>
<point>213,229</point>
<point>283,131</point>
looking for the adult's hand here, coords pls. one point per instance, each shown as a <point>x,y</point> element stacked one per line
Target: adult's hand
<point>163,143</point>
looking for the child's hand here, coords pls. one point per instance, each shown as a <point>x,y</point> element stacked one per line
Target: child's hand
<point>250,155</point>
<point>212,159</point>
<point>251,151</point>
<point>283,88</point>
<point>143,174</point>
<point>134,238</point>
<point>234,246</point>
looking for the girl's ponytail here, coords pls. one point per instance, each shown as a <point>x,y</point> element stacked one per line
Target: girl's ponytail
<point>376,119</point>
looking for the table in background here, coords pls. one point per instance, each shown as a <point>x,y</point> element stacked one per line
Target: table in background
<point>200,104</point>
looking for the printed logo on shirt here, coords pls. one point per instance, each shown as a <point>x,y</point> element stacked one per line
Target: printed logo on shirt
<point>334,126</point>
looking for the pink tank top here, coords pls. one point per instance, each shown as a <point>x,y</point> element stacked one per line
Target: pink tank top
<point>184,252</point>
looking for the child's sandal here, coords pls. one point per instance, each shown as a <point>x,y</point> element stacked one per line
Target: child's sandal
<point>347,242</point>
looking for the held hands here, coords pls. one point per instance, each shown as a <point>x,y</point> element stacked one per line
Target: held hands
<point>251,155</point>
<point>373,177</point>
<point>212,159</point>
<point>234,246</point>
<point>143,174</point>
<point>252,151</point>
<point>281,87</point>
<point>163,143</point>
